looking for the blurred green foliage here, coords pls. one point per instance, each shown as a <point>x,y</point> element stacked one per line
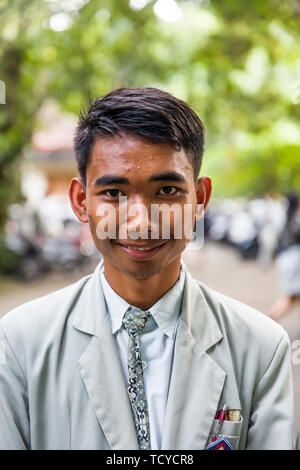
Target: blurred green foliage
<point>236,63</point>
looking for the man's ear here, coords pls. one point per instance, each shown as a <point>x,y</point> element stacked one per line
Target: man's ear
<point>77,198</point>
<point>203,191</point>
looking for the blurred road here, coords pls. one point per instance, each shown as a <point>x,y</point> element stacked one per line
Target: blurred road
<point>217,266</point>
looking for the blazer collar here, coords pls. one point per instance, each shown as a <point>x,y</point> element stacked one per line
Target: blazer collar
<point>165,311</point>
<point>197,315</point>
<point>91,313</point>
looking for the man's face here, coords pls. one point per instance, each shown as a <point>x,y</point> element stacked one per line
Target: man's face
<point>145,174</point>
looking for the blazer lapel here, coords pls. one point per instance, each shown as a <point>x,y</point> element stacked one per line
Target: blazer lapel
<point>101,370</point>
<point>197,380</point>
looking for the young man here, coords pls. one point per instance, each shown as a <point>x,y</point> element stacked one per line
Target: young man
<point>139,354</point>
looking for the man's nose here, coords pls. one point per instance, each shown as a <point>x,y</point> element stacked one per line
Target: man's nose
<point>138,217</point>
<point>139,223</point>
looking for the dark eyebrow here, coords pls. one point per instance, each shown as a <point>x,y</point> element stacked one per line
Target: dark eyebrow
<point>168,176</point>
<point>110,179</point>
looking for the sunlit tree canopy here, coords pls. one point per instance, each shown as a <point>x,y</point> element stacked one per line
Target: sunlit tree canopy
<point>236,63</point>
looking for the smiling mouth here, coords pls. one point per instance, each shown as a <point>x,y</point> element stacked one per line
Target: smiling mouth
<point>141,248</point>
<point>141,252</point>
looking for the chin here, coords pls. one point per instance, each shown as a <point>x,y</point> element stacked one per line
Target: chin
<point>142,271</point>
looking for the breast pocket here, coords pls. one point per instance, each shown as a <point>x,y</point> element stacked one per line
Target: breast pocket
<point>230,429</point>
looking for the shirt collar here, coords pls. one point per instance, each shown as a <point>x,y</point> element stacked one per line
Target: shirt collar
<point>165,311</point>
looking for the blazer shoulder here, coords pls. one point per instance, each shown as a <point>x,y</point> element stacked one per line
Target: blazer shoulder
<point>36,316</point>
<point>242,320</point>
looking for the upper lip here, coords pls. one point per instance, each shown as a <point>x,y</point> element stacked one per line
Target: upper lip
<point>139,245</point>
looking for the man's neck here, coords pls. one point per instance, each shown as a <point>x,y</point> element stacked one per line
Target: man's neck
<point>145,292</point>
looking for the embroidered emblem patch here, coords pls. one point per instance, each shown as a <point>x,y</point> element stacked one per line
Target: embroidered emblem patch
<point>222,443</point>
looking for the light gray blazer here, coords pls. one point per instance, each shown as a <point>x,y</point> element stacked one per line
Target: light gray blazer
<point>62,386</point>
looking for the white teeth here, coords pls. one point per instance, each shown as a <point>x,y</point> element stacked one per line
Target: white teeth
<point>136,248</point>
<point>140,249</point>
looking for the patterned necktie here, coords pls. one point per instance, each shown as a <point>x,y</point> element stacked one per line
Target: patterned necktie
<point>134,321</point>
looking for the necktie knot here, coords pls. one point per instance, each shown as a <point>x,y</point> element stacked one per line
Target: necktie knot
<point>134,320</point>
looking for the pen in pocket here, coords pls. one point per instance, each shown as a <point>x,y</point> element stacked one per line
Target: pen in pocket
<point>221,418</point>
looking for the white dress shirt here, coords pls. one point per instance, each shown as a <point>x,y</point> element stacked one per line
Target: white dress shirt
<point>157,346</point>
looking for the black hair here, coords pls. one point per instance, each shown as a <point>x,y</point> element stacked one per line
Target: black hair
<point>148,113</point>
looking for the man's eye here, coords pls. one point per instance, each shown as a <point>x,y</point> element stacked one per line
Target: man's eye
<point>113,192</point>
<point>168,190</point>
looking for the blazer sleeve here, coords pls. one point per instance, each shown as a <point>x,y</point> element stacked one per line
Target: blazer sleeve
<point>271,423</point>
<point>14,421</point>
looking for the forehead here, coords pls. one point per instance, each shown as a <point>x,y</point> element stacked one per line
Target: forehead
<point>131,156</point>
